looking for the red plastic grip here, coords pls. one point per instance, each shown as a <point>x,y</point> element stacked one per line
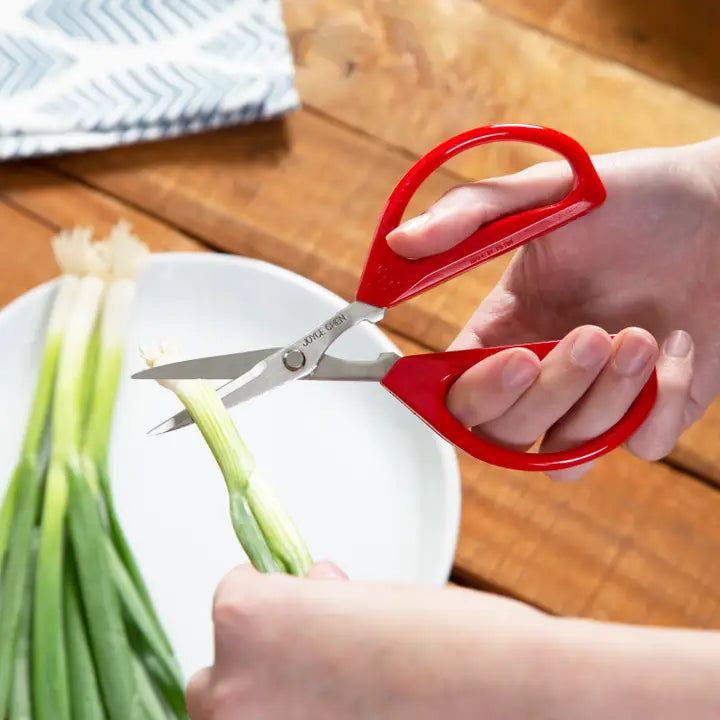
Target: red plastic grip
<point>389,279</point>
<point>422,382</point>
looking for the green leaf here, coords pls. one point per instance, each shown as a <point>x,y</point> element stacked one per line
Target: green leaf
<point>109,643</point>
<point>49,669</point>
<point>18,568</point>
<point>21,693</point>
<point>85,699</point>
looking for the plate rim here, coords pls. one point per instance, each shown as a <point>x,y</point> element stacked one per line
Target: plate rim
<point>450,475</point>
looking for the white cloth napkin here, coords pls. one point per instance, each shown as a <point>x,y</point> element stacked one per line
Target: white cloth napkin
<point>80,74</point>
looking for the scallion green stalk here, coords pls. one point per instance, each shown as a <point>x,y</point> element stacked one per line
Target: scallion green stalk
<point>17,516</point>
<point>15,576</point>
<point>144,636</point>
<point>21,694</point>
<point>116,569</point>
<point>280,532</point>
<point>125,255</point>
<point>50,688</point>
<point>106,631</point>
<point>152,705</point>
<point>7,510</point>
<point>37,421</point>
<point>72,268</point>
<point>85,699</point>
<point>261,523</point>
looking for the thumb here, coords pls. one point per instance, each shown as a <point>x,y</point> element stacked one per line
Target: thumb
<point>462,210</point>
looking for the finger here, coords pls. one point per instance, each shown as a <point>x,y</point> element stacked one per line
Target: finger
<point>325,570</point>
<point>634,353</point>
<point>233,584</point>
<point>197,695</point>
<point>491,387</point>
<point>565,375</point>
<point>657,436</point>
<point>231,611</point>
<point>462,210</point>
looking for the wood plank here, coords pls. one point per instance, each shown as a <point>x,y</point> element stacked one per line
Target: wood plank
<point>674,43</point>
<point>630,542</point>
<point>301,168</point>
<point>34,265</point>
<point>417,71</point>
<point>634,542</point>
<point>59,202</point>
<point>698,448</point>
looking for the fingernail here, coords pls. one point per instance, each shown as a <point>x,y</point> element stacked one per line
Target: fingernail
<point>518,371</point>
<point>413,225</point>
<point>678,344</point>
<point>589,349</point>
<point>633,354</point>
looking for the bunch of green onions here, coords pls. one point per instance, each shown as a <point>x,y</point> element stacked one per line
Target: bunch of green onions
<point>262,524</point>
<point>79,637</point>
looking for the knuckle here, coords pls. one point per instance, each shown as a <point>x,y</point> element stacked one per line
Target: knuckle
<point>650,448</point>
<point>236,613</point>
<point>694,412</point>
<point>235,604</point>
<point>197,684</point>
<point>227,587</point>
<point>225,701</point>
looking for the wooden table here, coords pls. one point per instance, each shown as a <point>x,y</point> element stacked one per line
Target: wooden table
<point>381,82</point>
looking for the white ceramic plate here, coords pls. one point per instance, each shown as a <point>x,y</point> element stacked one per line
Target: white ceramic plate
<point>368,485</point>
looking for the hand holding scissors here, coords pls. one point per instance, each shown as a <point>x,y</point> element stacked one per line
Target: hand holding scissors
<point>422,382</point>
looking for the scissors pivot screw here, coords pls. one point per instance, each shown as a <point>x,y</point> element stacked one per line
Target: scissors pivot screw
<point>294,360</point>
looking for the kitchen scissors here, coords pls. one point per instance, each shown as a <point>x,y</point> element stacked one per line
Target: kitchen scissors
<point>422,382</point>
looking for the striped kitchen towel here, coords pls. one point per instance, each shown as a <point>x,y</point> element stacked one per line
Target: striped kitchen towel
<point>80,74</point>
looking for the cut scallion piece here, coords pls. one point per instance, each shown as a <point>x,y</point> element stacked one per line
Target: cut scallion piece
<point>261,522</point>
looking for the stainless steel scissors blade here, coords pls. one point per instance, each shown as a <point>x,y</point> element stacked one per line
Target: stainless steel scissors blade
<point>329,368</point>
<point>213,367</point>
<point>184,418</point>
<point>292,362</point>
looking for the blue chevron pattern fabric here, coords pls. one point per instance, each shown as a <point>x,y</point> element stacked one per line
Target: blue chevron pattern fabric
<point>83,74</point>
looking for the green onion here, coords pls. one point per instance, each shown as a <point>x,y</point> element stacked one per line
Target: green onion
<point>106,631</point>
<point>37,421</point>
<point>7,509</point>
<point>151,704</point>
<point>18,567</point>
<point>85,700</point>
<point>50,689</point>
<point>20,698</point>
<point>125,254</point>
<point>261,523</point>
<point>17,516</point>
<point>79,636</point>
<point>144,635</point>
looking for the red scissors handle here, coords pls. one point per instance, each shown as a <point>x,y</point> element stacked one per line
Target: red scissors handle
<point>389,279</point>
<point>422,382</point>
